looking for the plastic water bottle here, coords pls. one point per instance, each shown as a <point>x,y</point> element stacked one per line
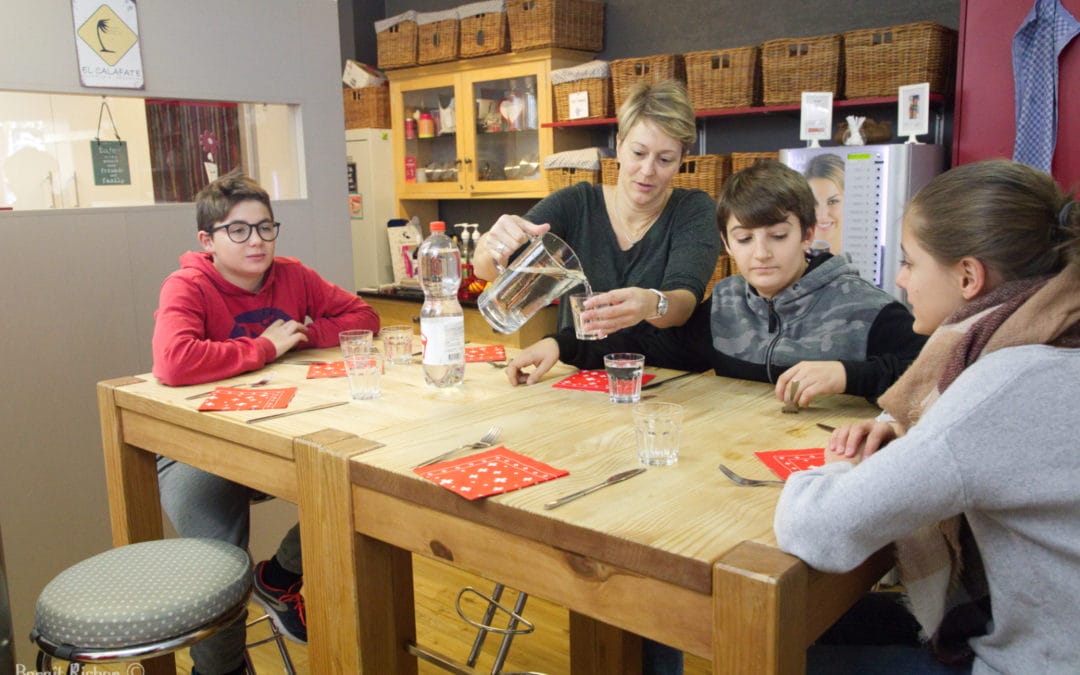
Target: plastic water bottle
<point>442,323</point>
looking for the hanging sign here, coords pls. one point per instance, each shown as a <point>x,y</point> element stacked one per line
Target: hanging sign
<point>107,43</point>
<point>110,160</point>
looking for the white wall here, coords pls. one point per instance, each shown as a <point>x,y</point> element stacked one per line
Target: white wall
<point>80,286</point>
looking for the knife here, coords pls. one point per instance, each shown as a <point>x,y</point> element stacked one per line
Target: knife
<point>670,379</point>
<point>253,420</point>
<point>617,478</point>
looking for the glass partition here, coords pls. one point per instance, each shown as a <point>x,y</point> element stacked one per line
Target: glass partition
<point>84,151</point>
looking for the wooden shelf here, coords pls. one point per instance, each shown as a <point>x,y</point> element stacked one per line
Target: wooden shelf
<point>756,110</point>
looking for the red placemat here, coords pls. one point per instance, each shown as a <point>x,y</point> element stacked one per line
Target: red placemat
<point>487,473</point>
<point>233,398</point>
<point>327,369</point>
<point>485,353</point>
<point>591,380</point>
<point>784,462</point>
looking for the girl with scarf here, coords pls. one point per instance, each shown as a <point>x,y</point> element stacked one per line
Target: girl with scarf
<point>976,478</point>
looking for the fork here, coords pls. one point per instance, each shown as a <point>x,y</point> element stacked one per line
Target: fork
<point>747,482</point>
<point>499,364</point>
<point>486,440</point>
<point>256,383</point>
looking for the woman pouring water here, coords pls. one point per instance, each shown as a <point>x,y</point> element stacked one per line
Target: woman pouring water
<point>648,250</point>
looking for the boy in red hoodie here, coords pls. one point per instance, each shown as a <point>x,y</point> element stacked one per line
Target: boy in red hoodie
<point>232,308</point>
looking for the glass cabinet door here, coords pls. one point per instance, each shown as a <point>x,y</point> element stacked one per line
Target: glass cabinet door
<point>431,136</point>
<point>506,126</point>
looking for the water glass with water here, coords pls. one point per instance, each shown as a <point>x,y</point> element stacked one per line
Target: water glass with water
<point>624,373</point>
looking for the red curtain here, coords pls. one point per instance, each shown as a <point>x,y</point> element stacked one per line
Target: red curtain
<point>184,135</point>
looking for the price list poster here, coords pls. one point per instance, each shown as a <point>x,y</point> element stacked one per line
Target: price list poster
<point>107,43</point>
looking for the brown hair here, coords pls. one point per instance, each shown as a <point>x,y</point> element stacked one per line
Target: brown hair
<point>763,194</point>
<point>829,167</point>
<point>214,201</point>
<point>666,104</point>
<point>1011,217</point>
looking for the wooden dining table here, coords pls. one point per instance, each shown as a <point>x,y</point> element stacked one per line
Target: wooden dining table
<point>678,554</point>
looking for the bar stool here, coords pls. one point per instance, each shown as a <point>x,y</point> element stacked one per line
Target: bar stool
<point>140,601</point>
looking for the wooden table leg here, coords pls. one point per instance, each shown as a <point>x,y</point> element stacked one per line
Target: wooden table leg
<point>131,482</point>
<point>759,611</point>
<point>358,591</point>
<point>597,647</point>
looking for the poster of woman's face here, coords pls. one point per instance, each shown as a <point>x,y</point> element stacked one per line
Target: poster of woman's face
<point>825,173</point>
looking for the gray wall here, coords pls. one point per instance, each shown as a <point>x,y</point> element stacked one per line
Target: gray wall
<point>80,287</point>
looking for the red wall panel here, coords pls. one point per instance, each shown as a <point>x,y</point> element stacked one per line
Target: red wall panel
<point>985,118</point>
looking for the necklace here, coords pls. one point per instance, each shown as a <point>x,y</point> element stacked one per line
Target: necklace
<point>622,226</point>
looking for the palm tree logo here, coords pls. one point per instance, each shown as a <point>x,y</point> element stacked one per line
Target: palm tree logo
<point>102,28</point>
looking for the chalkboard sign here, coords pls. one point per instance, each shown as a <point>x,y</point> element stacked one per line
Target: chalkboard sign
<point>110,162</point>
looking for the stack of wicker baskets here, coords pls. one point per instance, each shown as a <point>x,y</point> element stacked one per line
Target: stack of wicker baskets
<point>569,24</point>
<point>437,36</point>
<point>395,39</point>
<point>790,66</point>
<point>593,79</point>
<point>724,78</point>
<point>742,160</point>
<point>570,167</point>
<point>483,28</point>
<point>625,73</point>
<point>367,108</point>
<point>878,60</point>
<point>703,172</point>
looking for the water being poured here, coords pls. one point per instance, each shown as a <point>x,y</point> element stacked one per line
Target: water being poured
<point>520,293</point>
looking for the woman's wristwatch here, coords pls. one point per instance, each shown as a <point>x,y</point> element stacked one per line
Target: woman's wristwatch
<point>661,304</point>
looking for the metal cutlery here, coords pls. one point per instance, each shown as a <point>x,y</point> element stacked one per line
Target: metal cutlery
<point>256,383</point>
<point>321,406</point>
<point>499,364</point>
<point>826,427</point>
<point>790,406</point>
<point>655,384</point>
<point>611,480</point>
<point>486,440</point>
<point>747,482</point>
<point>305,362</point>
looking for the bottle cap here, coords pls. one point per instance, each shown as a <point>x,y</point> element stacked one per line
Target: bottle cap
<point>438,226</point>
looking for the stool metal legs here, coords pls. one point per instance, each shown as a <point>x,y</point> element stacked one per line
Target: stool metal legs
<point>275,636</point>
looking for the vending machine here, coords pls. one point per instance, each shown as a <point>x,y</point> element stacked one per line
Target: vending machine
<point>873,184</point>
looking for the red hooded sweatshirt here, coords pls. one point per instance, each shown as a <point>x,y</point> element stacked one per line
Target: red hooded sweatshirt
<point>208,329</point>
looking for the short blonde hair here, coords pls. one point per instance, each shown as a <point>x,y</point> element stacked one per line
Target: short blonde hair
<point>666,104</point>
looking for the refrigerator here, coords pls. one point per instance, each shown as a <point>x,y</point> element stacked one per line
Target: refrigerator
<point>371,204</point>
<point>875,184</point>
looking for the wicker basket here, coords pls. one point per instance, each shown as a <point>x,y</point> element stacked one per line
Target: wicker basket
<point>570,24</point>
<point>724,78</point>
<point>703,172</point>
<point>396,40</point>
<point>625,73</point>
<point>742,160</point>
<point>560,178</point>
<point>484,30</point>
<point>367,108</point>
<point>723,269</point>
<point>600,99</point>
<point>437,37</point>
<point>879,60</point>
<point>790,66</point>
<point>609,171</point>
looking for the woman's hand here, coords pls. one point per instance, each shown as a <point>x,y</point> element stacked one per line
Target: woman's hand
<point>618,309</point>
<point>815,378</point>
<point>543,355</point>
<point>856,442</point>
<point>508,234</point>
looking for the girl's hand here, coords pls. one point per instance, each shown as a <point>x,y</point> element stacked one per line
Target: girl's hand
<point>858,441</point>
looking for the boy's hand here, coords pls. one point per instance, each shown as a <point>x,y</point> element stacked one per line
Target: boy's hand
<point>815,378</point>
<point>285,335</point>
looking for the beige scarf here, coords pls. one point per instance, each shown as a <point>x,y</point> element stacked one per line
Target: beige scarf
<point>1029,311</point>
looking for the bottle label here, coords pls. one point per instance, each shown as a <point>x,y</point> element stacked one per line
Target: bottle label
<point>443,338</point>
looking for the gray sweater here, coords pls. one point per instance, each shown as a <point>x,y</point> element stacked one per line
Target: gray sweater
<point>678,251</point>
<point>1002,447</point>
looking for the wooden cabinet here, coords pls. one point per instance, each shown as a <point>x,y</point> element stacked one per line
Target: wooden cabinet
<point>406,311</point>
<point>489,136</point>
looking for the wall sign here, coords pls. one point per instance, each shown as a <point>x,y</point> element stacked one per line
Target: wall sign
<point>107,43</point>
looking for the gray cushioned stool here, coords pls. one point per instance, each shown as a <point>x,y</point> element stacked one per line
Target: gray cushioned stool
<point>141,600</point>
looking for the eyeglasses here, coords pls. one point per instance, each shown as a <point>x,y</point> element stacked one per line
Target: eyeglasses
<point>240,232</point>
